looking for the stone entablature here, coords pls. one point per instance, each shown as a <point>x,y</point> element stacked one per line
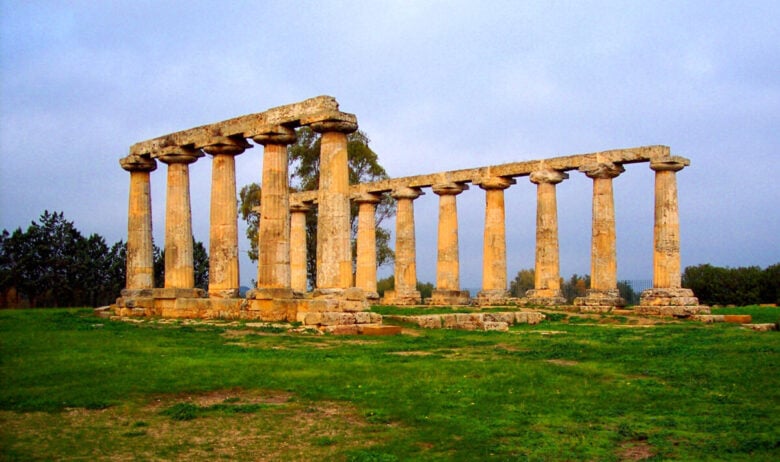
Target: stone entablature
<point>281,283</point>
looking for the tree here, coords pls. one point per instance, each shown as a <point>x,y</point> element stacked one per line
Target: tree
<point>523,282</point>
<point>304,165</point>
<point>200,264</point>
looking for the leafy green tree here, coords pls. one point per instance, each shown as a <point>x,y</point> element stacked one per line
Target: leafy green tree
<point>200,263</point>
<point>523,282</point>
<point>304,165</point>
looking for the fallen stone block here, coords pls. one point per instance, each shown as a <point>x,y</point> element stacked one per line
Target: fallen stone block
<point>376,330</point>
<point>738,318</point>
<point>341,330</point>
<point>495,326</point>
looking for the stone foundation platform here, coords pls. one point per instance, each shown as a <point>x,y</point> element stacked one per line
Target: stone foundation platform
<point>449,298</point>
<point>545,297</point>
<point>675,302</point>
<point>398,298</point>
<point>338,311</point>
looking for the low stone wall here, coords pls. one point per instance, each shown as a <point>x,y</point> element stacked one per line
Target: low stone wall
<point>499,321</point>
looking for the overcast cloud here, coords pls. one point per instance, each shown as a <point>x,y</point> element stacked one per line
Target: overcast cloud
<point>436,85</point>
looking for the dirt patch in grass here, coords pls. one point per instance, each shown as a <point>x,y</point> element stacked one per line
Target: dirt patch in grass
<point>635,450</point>
<point>410,353</point>
<point>283,428</point>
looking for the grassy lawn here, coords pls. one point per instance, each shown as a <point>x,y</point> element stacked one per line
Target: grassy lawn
<point>73,386</point>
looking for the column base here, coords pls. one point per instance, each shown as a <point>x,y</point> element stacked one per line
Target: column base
<point>270,293</point>
<point>545,297</point>
<point>223,293</point>
<point>398,298</point>
<point>599,301</point>
<point>445,297</point>
<point>677,302</point>
<point>493,297</point>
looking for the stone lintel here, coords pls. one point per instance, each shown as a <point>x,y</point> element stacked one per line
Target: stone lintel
<point>246,125</point>
<point>509,170</point>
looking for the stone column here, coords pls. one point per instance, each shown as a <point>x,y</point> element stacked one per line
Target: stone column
<point>405,292</point>
<point>273,250</point>
<point>494,274</point>
<point>223,231</point>
<point>334,253</point>
<point>447,290</point>
<point>603,294</point>
<point>179,270</point>
<point>365,271</point>
<point>547,279</point>
<point>667,297</point>
<point>298,255</point>
<point>140,257</point>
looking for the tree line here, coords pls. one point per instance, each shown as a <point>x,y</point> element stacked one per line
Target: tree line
<point>52,264</point>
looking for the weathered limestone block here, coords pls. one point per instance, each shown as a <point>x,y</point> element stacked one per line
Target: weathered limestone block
<point>495,326</point>
<point>528,317</point>
<point>375,330</point>
<point>337,318</point>
<point>341,329</point>
<point>495,297</point>
<point>762,327</point>
<point>449,297</point>
<point>505,317</point>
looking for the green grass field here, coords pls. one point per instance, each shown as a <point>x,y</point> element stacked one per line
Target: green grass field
<point>76,387</point>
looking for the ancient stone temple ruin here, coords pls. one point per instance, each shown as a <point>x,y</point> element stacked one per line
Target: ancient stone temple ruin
<point>340,297</point>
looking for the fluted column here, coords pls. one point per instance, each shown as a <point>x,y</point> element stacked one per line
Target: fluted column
<point>603,293</point>
<point>405,292</point>
<point>140,256</point>
<point>494,273</point>
<point>223,230</point>
<point>334,254</point>
<point>298,255</point>
<point>365,271</point>
<point>179,270</point>
<point>447,290</point>
<point>667,295</point>
<point>547,279</point>
<point>273,250</point>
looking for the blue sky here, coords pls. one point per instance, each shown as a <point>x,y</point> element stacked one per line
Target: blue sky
<point>436,85</point>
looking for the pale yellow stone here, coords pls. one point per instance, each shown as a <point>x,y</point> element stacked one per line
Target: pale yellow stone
<point>179,271</point>
<point>223,230</point>
<point>365,268</point>
<point>547,282</point>
<point>494,272</point>
<point>334,254</point>
<point>273,251</point>
<point>298,255</point>
<point>405,292</point>
<point>666,232</point>
<point>140,257</point>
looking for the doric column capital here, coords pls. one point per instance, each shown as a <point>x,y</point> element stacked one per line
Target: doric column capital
<point>495,182</point>
<point>669,164</point>
<point>230,145</point>
<point>602,170</point>
<point>548,176</point>
<point>367,198</point>
<point>406,192</point>
<point>449,189</point>
<point>134,163</point>
<point>298,207</point>
<point>178,155</point>
<point>335,122</point>
<point>278,134</point>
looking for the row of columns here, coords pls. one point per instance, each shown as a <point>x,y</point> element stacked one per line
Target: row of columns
<point>281,267</point>
<point>282,235</point>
